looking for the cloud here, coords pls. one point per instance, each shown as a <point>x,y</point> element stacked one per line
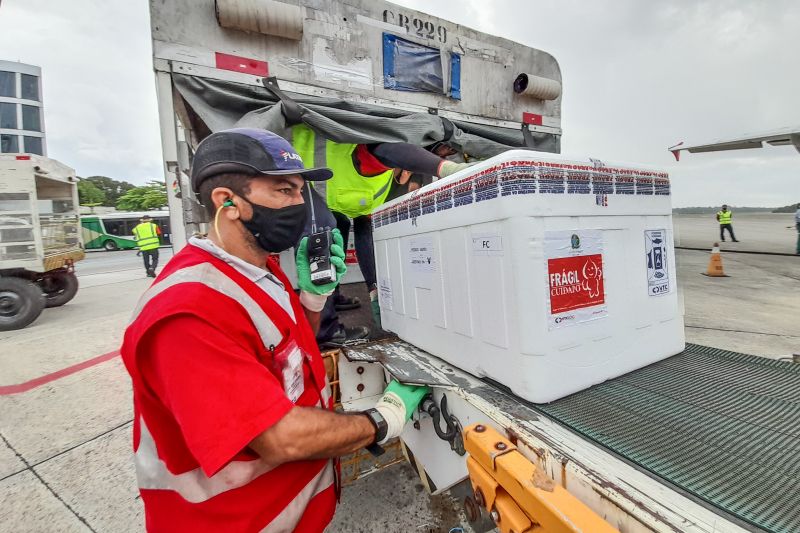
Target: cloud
<point>638,77</point>
<point>98,85</point>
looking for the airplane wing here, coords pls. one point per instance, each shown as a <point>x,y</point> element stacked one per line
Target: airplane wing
<point>786,136</point>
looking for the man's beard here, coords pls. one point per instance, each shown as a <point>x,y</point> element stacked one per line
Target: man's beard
<point>250,242</point>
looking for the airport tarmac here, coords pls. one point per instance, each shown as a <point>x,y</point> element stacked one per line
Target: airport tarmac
<point>760,232</point>
<point>65,400</point>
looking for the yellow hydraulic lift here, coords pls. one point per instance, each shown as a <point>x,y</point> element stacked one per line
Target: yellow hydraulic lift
<point>519,497</point>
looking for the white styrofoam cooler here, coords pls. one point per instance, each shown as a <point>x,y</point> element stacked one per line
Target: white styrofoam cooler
<point>545,273</point>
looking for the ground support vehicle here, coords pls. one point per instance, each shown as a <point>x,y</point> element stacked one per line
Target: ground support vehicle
<point>39,237</point>
<point>638,458</point>
<point>688,444</point>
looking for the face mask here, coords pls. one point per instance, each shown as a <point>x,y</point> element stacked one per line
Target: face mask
<point>276,230</point>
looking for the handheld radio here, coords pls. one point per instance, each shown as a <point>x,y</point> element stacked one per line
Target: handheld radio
<point>319,250</point>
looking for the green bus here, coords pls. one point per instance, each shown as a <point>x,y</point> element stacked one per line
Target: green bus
<point>114,231</point>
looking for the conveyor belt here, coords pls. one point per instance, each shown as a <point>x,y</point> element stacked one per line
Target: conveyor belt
<point>722,426</point>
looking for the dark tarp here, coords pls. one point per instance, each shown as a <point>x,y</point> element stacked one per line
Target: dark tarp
<point>222,104</point>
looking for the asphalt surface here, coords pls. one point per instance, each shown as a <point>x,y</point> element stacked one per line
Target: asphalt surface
<point>758,232</point>
<point>102,262</point>
<point>65,430</point>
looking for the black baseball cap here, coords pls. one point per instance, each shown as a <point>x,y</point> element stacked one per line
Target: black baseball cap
<point>249,151</point>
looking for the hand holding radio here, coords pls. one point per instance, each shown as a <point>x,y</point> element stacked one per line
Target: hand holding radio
<point>320,262</point>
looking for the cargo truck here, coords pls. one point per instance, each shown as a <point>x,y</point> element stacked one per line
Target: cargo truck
<point>698,441</point>
<point>40,237</point>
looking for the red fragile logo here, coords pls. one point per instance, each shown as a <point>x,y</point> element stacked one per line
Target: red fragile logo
<point>350,257</point>
<point>575,282</point>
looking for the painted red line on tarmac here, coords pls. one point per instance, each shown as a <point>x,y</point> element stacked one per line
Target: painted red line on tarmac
<point>47,378</point>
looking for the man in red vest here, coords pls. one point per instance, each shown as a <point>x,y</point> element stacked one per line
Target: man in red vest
<point>234,428</point>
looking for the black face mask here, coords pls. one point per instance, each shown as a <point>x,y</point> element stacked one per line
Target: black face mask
<point>276,230</point>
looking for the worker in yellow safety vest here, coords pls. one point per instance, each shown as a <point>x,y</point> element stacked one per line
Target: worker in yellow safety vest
<point>359,183</point>
<point>362,179</point>
<point>724,219</point>
<point>147,235</point>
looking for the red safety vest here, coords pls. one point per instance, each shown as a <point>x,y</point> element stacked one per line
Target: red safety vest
<point>243,495</point>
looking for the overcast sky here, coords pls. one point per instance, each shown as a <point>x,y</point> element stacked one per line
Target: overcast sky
<point>638,77</point>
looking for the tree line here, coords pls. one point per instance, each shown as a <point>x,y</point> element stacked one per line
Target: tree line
<point>97,191</point>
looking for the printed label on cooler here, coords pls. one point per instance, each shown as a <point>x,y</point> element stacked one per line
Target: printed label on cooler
<point>656,260</point>
<point>575,279</point>
<point>422,255</point>
<point>385,293</point>
<point>487,244</point>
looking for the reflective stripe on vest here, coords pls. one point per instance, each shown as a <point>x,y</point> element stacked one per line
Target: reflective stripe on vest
<point>208,275</point>
<point>288,518</point>
<point>725,217</point>
<point>146,236</point>
<point>193,486</point>
<point>347,192</point>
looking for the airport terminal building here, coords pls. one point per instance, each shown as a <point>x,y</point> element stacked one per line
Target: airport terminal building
<point>21,114</point>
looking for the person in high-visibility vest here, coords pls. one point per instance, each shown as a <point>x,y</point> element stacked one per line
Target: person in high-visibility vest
<point>147,235</point>
<point>362,179</point>
<point>724,219</point>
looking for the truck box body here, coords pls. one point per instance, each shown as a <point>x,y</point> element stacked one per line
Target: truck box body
<point>640,459</point>
<point>367,66</point>
<point>39,220</point>
<point>545,273</point>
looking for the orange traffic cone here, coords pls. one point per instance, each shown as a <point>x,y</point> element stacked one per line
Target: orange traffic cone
<point>715,269</point>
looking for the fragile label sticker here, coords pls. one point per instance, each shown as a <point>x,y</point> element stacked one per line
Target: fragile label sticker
<point>487,244</point>
<point>575,277</point>
<point>655,246</point>
<point>575,282</point>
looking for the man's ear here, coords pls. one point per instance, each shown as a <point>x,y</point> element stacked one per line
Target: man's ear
<point>223,198</point>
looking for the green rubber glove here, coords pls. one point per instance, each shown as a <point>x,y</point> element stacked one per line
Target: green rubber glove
<point>410,395</point>
<point>304,269</point>
<point>397,405</point>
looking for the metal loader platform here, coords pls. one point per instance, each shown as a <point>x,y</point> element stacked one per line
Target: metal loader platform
<point>717,427</point>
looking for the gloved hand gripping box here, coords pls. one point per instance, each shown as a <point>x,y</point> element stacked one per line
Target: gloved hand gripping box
<point>545,273</point>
